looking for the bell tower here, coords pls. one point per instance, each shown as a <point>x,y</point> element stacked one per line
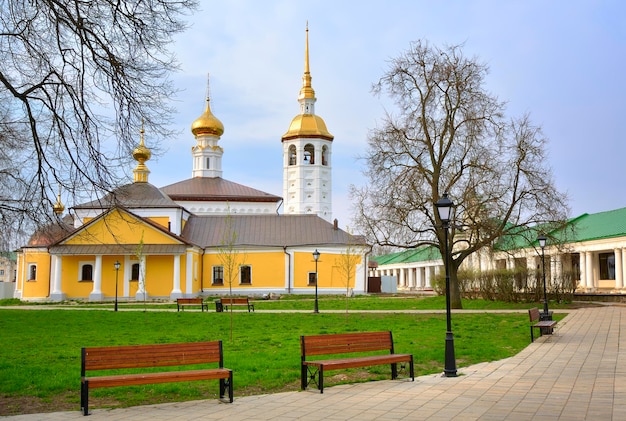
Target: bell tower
<point>307,152</point>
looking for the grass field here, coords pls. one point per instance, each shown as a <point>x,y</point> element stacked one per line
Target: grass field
<point>40,352</point>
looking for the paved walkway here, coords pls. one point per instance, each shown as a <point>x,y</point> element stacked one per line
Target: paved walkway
<point>577,374</point>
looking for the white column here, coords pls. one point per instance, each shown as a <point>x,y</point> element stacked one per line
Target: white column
<point>412,278</point>
<point>57,289</point>
<point>141,293</point>
<point>619,269</point>
<point>623,251</point>
<point>582,261</point>
<point>402,277</point>
<point>420,278</point>
<point>428,272</point>
<point>190,275</point>
<point>589,270</point>
<point>176,292</point>
<point>96,292</point>
<point>126,274</point>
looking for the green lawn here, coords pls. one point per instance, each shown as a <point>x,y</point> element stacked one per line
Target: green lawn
<point>40,352</point>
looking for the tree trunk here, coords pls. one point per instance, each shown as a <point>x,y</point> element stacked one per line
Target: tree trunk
<point>455,291</point>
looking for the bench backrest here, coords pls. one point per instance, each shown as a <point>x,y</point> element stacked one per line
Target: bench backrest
<point>342,343</point>
<point>189,300</point>
<point>141,356</point>
<point>533,313</point>
<point>231,301</point>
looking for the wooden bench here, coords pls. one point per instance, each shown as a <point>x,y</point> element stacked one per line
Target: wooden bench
<point>348,343</point>
<point>535,323</point>
<point>236,301</point>
<point>182,302</point>
<point>150,356</point>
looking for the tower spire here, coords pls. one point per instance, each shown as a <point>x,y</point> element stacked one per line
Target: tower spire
<point>141,155</point>
<point>307,94</point>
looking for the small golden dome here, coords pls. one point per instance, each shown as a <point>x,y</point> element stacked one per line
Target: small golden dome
<point>141,152</point>
<point>307,125</point>
<point>207,123</point>
<point>58,207</point>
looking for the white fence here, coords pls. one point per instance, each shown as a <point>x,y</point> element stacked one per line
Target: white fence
<point>7,289</point>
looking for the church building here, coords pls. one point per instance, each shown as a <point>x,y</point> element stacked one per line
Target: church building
<point>205,235</point>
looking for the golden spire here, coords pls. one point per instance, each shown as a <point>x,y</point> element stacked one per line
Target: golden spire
<point>207,123</point>
<point>58,207</point>
<point>141,155</point>
<point>307,90</point>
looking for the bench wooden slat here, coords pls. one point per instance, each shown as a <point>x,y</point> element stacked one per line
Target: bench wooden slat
<point>95,359</point>
<point>237,301</point>
<point>343,343</point>
<point>152,378</point>
<point>197,301</point>
<point>535,323</point>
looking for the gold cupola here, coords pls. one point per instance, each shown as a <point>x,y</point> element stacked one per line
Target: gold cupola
<point>141,155</point>
<point>58,207</point>
<point>207,123</point>
<point>307,124</point>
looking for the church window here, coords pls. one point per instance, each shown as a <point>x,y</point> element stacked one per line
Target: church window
<point>134,275</point>
<point>32,272</point>
<point>292,155</point>
<point>86,272</point>
<point>311,279</point>
<point>607,265</point>
<point>324,155</point>
<point>208,163</point>
<point>218,275</point>
<point>309,154</point>
<point>245,275</point>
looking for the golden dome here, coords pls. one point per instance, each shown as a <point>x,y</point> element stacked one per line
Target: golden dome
<point>207,123</point>
<point>58,207</point>
<point>141,153</point>
<point>307,125</point>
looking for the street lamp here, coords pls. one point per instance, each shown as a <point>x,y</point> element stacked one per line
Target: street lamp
<point>444,208</point>
<point>542,243</point>
<point>117,270</point>
<point>316,256</point>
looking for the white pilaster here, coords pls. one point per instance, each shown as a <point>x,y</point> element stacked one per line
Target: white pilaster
<point>176,292</point>
<point>57,289</point>
<point>96,293</point>
<point>619,269</point>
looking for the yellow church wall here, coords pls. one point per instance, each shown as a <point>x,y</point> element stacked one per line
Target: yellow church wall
<point>164,221</point>
<point>120,228</point>
<point>40,286</point>
<point>160,275</point>
<point>267,270</point>
<point>71,285</point>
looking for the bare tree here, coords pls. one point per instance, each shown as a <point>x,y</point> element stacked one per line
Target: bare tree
<point>77,79</point>
<point>346,262</point>
<point>231,257</point>
<point>450,135</point>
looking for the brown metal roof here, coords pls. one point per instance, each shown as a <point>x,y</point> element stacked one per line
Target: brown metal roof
<point>266,230</point>
<point>135,195</point>
<point>214,189</point>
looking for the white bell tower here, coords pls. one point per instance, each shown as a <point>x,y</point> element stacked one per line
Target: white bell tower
<point>307,153</point>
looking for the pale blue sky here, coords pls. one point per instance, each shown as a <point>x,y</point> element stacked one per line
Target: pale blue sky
<point>561,61</point>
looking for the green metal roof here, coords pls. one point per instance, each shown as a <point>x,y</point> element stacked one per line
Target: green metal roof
<point>597,226</point>
<point>586,227</point>
<point>420,254</point>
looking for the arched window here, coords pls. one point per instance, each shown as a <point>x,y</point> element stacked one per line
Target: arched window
<point>32,272</point>
<point>309,154</point>
<point>324,155</point>
<point>208,163</point>
<point>292,155</point>
<point>86,272</point>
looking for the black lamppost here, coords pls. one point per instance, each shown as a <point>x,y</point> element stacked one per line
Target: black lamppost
<point>444,208</point>
<point>542,243</point>
<point>117,270</point>
<point>316,256</point>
